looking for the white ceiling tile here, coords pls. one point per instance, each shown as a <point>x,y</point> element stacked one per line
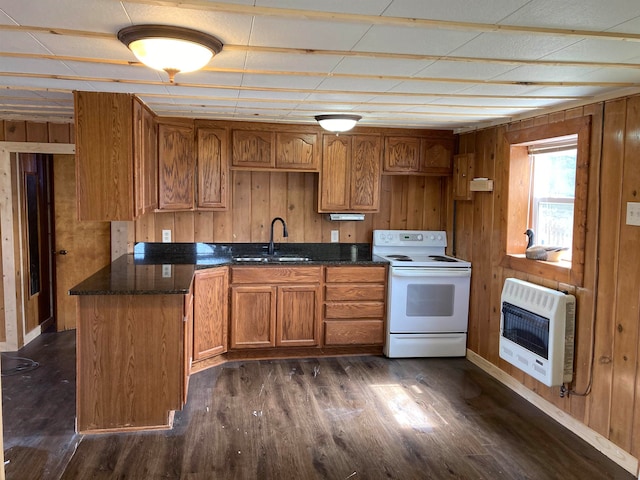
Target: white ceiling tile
<point>228,27</point>
<point>582,14</point>
<point>544,73</point>
<point>89,15</point>
<point>454,10</point>
<point>374,66</point>
<point>417,41</point>
<point>20,43</point>
<point>357,84</point>
<point>228,59</point>
<point>466,70</point>
<point>362,7</point>
<point>282,95</point>
<point>593,50</point>
<point>291,62</point>
<point>513,46</point>
<point>428,87</point>
<point>278,32</point>
<point>29,65</point>
<point>100,48</point>
<point>281,81</point>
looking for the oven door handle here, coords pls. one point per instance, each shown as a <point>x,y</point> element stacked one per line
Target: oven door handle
<point>430,272</point>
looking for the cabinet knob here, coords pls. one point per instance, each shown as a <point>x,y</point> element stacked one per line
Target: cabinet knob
<point>61,252</point>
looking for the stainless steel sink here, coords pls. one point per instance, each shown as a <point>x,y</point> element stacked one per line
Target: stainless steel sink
<point>270,259</point>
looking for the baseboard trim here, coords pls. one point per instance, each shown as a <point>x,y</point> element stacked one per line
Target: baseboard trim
<point>593,438</point>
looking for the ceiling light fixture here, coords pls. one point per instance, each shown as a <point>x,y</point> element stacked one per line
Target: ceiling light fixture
<point>338,122</point>
<point>169,48</point>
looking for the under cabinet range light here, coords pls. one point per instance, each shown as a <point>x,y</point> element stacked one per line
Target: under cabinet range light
<point>338,122</point>
<point>171,49</point>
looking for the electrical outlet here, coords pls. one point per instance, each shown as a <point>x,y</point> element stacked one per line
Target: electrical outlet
<point>166,271</point>
<point>335,236</point>
<point>633,213</point>
<point>166,236</point>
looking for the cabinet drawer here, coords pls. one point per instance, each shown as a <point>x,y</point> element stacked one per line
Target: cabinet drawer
<point>356,274</point>
<point>354,310</point>
<point>348,292</point>
<point>271,275</point>
<point>360,332</point>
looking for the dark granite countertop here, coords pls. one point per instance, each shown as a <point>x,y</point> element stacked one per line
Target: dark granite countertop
<point>168,268</point>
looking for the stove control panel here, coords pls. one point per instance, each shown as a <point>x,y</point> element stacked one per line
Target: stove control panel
<point>413,238</point>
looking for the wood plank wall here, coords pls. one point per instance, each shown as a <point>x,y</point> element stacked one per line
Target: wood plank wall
<point>608,319</point>
<point>408,202</point>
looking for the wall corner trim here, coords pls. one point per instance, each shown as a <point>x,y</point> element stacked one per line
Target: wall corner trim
<point>593,438</point>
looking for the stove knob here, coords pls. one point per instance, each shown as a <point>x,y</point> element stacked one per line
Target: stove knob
<point>432,237</point>
<point>420,237</point>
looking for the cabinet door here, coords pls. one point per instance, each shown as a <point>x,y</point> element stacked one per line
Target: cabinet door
<point>365,173</point>
<point>297,317</point>
<point>188,343</point>
<point>149,162</point>
<point>145,157</point>
<point>252,149</point>
<point>297,151</point>
<point>211,313</point>
<point>176,163</point>
<point>401,154</point>
<point>253,323</point>
<point>104,156</point>
<point>213,168</point>
<point>437,157</point>
<point>334,175</point>
<point>462,175</point>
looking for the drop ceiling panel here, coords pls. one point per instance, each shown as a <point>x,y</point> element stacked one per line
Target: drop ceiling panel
<point>513,46</point>
<point>20,42</point>
<point>454,10</point>
<point>228,27</point>
<point>464,70</point>
<point>592,50</point>
<point>84,47</point>
<point>291,62</point>
<point>89,15</point>
<point>583,14</point>
<point>374,66</point>
<point>278,32</point>
<point>357,85</point>
<point>417,41</point>
<point>281,81</point>
<point>366,7</point>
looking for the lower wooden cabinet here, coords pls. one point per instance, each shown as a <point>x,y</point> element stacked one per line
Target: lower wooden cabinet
<point>211,313</point>
<point>275,307</point>
<point>354,305</point>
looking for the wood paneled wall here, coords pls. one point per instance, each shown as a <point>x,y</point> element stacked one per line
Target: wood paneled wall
<point>411,202</point>
<point>36,132</point>
<point>608,319</point>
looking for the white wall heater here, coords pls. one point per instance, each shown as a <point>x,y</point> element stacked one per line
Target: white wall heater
<point>537,328</point>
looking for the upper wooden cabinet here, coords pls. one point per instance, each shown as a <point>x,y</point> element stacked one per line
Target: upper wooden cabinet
<point>350,174</point>
<point>418,155</point>
<point>193,166</point>
<point>115,156</point>
<point>176,166</point>
<point>212,168</point>
<point>145,157</point>
<point>275,150</point>
<point>401,154</point>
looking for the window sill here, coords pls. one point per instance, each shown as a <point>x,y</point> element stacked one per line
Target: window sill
<point>558,271</point>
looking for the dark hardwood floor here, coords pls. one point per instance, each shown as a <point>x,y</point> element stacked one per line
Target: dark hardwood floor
<point>332,418</point>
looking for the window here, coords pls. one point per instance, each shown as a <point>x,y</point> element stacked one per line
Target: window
<point>547,192</point>
<point>552,192</point>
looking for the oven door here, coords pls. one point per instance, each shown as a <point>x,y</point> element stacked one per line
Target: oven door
<point>428,300</point>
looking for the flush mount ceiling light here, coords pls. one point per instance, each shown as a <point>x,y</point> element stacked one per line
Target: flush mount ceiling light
<point>338,122</point>
<point>169,48</point>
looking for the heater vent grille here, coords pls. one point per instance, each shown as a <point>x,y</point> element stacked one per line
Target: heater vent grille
<point>537,327</point>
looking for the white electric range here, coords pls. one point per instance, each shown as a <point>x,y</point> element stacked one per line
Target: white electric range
<point>428,294</point>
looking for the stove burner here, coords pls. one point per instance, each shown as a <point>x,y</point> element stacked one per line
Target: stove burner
<point>401,258</point>
<point>441,258</point>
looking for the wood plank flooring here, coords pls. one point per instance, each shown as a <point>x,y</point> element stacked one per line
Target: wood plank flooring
<point>332,418</point>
